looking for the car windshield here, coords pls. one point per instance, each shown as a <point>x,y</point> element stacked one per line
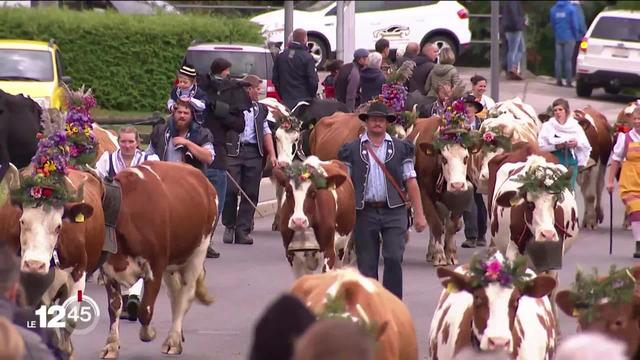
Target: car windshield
<point>244,63</point>
<point>311,5</point>
<point>617,28</point>
<point>29,65</point>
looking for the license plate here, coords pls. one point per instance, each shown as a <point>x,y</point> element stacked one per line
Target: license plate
<point>620,53</point>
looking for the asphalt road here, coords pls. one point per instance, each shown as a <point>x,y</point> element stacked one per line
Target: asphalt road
<point>247,278</point>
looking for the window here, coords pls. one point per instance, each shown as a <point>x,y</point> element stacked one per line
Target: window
<point>367,6</point>
<point>311,5</point>
<point>25,65</point>
<point>244,63</point>
<point>617,28</point>
<point>395,5</point>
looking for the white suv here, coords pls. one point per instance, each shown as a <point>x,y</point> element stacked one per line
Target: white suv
<point>444,22</point>
<point>609,53</point>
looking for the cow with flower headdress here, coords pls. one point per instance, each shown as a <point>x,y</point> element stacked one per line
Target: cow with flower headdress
<point>494,304</point>
<point>445,146</point>
<point>607,304</point>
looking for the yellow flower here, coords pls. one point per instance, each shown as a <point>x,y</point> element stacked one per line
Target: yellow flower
<point>75,130</point>
<point>49,166</point>
<point>87,131</point>
<point>305,175</point>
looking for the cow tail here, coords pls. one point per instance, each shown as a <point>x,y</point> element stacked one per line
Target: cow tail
<point>202,293</point>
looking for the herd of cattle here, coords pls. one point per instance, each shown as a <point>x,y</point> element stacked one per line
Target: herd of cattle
<point>168,213</point>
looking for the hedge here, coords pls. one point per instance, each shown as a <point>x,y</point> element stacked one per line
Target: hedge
<point>129,61</point>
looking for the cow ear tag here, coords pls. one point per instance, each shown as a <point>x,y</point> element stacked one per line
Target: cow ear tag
<point>79,218</point>
<point>451,287</point>
<point>575,313</point>
<point>514,201</point>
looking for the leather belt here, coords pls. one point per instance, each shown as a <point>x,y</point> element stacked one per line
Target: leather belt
<point>376,205</point>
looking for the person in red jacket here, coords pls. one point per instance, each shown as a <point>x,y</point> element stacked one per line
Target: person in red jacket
<point>329,82</point>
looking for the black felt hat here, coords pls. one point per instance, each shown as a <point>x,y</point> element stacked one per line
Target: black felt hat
<point>378,109</point>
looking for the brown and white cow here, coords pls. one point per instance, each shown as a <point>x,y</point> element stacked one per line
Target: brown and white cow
<point>491,317</point>
<point>444,189</point>
<point>107,140</point>
<point>325,213</point>
<point>520,218</point>
<point>367,301</point>
<point>619,320</point>
<point>166,219</point>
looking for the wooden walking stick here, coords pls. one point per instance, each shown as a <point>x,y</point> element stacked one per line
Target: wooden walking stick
<point>610,222</point>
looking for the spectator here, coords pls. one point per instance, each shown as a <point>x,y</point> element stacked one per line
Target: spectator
<point>348,80</point>
<point>219,124</point>
<point>582,30</point>
<point>38,342</point>
<point>564,22</point>
<point>371,78</point>
<point>438,107</point>
<point>410,53</point>
<point>564,138</point>
<point>478,89</point>
<point>335,339</point>
<point>108,166</point>
<point>280,325</point>
<point>11,343</point>
<point>187,90</point>
<point>513,21</point>
<point>180,140</point>
<point>246,153</point>
<point>443,71</point>
<point>382,47</point>
<point>294,71</point>
<point>424,65</point>
<point>591,346</point>
<point>329,83</point>
<point>475,218</point>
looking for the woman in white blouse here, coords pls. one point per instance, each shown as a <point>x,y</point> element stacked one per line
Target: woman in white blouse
<point>478,89</point>
<point>564,137</point>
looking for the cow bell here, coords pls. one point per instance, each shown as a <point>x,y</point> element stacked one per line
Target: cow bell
<point>304,241</point>
<point>458,202</point>
<point>545,255</point>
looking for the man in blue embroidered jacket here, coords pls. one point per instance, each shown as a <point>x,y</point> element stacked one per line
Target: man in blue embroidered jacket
<point>380,207</point>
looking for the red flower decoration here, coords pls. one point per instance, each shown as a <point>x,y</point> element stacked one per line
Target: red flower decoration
<point>46,193</point>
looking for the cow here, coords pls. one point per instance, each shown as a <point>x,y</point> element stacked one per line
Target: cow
<point>504,125</point>
<point>526,219</point>
<point>310,112</point>
<point>444,188</point>
<point>366,302</point>
<point>591,179</point>
<point>521,111</point>
<point>19,124</point>
<point>322,209</point>
<point>615,317</point>
<point>167,215</point>
<point>72,235</point>
<point>490,316</point>
<point>331,132</point>
<point>107,140</point>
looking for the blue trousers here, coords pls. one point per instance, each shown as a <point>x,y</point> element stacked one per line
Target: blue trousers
<point>392,224</point>
<point>218,179</point>
<point>564,58</point>
<point>515,49</point>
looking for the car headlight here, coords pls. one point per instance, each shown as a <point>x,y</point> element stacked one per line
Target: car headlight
<point>44,102</point>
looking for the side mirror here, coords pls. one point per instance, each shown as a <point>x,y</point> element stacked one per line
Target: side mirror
<point>66,80</point>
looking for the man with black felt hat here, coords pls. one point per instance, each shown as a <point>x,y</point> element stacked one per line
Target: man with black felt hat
<point>383,175</point>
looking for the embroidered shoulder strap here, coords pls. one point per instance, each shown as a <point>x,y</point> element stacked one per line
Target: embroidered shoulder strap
<point>112,170</point>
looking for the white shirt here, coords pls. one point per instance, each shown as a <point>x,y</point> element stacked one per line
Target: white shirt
<point>618,149</point>
<point>102,165</point>
<point>553,133</point>
<point>487,102</point>
<point>249,133</point>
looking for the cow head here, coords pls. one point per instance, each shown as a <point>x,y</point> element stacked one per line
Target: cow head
<point>544,185</point>
<point>607,305</point>
<point>288,133</point>
<point>495,137</point>
<point>453,158</point>
<point>41,225</point>
<point>496,285</point>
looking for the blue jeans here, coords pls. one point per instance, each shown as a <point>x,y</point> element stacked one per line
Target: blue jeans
<point>218,179</point>
<point>515,43</point>
<point>564,58</point>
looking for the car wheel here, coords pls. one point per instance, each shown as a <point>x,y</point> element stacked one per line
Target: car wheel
<point>612,90</point>
<point>583,89</point>
<point>443,41</point>
<point>318,50</point>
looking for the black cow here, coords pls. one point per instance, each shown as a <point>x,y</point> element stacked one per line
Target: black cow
<point>19,125</point>
<point>310,112</point>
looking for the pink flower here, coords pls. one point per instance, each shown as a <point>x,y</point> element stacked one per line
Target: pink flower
<point>488,136</point>
<point>36,192</point>
<point>493,270</point>
<point>458,106</point>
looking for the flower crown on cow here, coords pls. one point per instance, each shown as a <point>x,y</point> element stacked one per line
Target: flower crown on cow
<point>394,95</point>
<point>454,128</point>
<point>335,308</point>
<point>299,173</point>
<point>540,179</point>
<point>79,128</point>
<point>589,290</point>
<point>46,185</point>
<point>494,138</point>
<point>286,122</point>
<point>488,269</point>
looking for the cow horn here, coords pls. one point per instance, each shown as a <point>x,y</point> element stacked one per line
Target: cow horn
<point>12,177</point>
<point>79,193</point>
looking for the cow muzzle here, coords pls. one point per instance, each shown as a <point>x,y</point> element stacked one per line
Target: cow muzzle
<point>458,186</point>
<point>298,223</point>
<point>499,343</point>
<point>547,235</point>
<point>34,266</point>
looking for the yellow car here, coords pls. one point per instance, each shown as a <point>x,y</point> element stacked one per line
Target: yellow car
<point>33,68</point>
